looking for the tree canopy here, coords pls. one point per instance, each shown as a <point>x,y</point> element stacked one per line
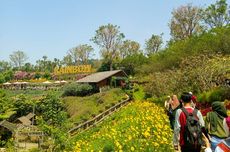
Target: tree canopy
<point>185,21</point>
<point>109,38</point>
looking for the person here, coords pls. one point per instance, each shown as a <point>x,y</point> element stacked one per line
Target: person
<point>216,124</point>
<point>168,103</point>
<point>207,144</point>
<point>179,137</point>
<point>194,100</point>
<point>174,106</point>
<point>223,146</point>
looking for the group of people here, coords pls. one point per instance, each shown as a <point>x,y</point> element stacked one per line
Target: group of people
<point>192,131</point>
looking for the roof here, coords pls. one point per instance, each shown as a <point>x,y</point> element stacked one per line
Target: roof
<point>8,125</point>
<point>99,76</point>
<point>30,115</point>
<point>24,120</point>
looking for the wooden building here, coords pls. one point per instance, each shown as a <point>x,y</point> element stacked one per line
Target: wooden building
<point>103,79</point>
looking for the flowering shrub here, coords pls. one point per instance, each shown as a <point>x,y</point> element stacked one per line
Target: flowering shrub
<point>140,126</point>
<point>198,74</point>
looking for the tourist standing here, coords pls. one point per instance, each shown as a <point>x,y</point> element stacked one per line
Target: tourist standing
<point>174,106</point>
<point>182,123</point>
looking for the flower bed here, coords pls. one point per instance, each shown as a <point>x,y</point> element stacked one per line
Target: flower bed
<point>141,126</point>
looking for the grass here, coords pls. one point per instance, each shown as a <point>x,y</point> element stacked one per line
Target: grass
<point>83,108</point>
<point>138,93</point>
<point>29,93</point>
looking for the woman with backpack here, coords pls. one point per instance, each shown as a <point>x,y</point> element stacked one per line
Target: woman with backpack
<point>216,124</point>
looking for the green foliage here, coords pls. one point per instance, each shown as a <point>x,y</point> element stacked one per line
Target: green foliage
<point>6,107</point>
<point>52,110</point>
<point>105,66</point>
<point>217,94</point>
<point>18,58</point>
<point>2,93</point>
<point>79,54</point>
<point>108,147</point>
<point>109,38</point>
<point>6,76</point>
<point>197,74</point>
<point>215,41</point>
<point>185,22</point>
<point>23,105</point>
<point>83,108</point>
<point>132,63</point>
<point>47,75</point>
<point>37,75</point>
<point>75,89</point>
<point>217,15</point>
<point>138,93</point>
<point>59,136</point>
<point>154,44</point>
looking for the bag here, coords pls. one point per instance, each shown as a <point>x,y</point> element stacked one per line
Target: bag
<point>193,132</point>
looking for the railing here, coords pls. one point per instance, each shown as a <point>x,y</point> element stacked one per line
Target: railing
<point>97,119</point>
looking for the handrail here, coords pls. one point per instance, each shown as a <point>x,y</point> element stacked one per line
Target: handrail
<point>99,117</point>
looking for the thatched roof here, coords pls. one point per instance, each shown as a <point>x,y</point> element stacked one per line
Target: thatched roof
<point>99,76</point>
<point>24,120</point>
<point>12,127</point>
<point>30,115</point>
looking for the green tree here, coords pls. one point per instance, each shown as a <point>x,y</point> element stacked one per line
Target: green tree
<point>45,64</point>
<point>185,22</point>
<point>28,67</point>
<point>80,54</point>
<point>23,105</point>
<point>217,15</point>
<point>109,39</point>
<point>129,48</point>
<point>67,60</point>
<point>4,65</point>
<point>132,63</point>
<point>18,58</point>
<point>154,44</point>
<point>52,110</point>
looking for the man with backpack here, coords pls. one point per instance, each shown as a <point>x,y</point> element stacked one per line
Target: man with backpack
<point>188,127</point>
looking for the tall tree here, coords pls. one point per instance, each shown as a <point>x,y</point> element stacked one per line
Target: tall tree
<point>129,48</point>
<point>154,44</point>
<point>109,38</point>
<point>18,58</point>
<point>186,21</point>
<point>217,15</point>
<point>67,60</point>
<point>81,53</point>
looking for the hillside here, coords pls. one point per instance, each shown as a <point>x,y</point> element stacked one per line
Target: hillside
<point>136,127</point>
<point>83,108</point>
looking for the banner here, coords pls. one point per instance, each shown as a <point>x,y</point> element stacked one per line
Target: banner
<point>72,69</point>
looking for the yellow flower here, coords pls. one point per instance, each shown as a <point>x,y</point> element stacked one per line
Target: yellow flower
<point>132,148</point>
<point>130,137</point>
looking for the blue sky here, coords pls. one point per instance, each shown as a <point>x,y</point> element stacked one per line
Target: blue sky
<point>51,27</point>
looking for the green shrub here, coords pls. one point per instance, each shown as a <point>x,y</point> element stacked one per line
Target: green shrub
<point>108,147</point>
<point>220,94</point>
<point>217,94</point>
<point>2,93</point>
<point>78,90</point>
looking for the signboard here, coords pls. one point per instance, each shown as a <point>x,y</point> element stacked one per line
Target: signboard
<point>72,69</point>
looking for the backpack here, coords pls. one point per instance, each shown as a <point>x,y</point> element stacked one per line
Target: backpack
<point>193,132</point>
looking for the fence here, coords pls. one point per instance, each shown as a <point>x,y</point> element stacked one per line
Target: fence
<point>97,119</point>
